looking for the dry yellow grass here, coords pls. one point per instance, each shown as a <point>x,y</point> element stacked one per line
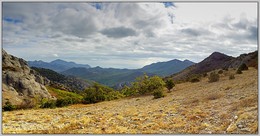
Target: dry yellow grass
<point>226,106</point>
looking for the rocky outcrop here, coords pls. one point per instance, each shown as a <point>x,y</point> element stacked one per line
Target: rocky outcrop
<point>20,83</point>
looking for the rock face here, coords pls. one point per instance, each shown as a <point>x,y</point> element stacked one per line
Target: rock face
<point>21,84</point>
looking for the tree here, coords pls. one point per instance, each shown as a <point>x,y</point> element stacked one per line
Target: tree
<point>169,84</point>
<point>147,85</point>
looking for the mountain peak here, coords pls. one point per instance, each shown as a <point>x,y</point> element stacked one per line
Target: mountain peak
<point>60,61</point>
<point>218,56</point>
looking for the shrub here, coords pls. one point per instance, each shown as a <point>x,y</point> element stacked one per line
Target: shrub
<point>98,93</point>
<point>205,74</point>
<point>231,77</point>
<point>8,106</point>
<point>169,84</point>
<point>220,72</point>
<point>64,102</point>
<point>127,91</point>
<point>225,68</point>
<point>213,77</point>
<point>146,85</point>
<point>194,79</point>
<point>45,103</point>
<point>158,94</point>
<point>239,71</point>
<point>243,67</point>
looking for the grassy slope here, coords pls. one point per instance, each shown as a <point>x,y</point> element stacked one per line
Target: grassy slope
<point>59,94</point>
<point>227,106</point>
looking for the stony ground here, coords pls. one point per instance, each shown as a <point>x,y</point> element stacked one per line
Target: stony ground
<point>226,106</point>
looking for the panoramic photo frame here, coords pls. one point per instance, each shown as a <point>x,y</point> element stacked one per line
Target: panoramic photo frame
<point>130,67</point>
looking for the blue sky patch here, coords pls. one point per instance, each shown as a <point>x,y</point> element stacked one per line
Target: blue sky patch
<point>12,20</point>
<point>168,4</point>
<point>97,5</point>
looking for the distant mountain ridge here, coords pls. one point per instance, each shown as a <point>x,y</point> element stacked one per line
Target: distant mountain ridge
<point>119,77</point>
<point>167,68</point>
<point>57,65</point>
<point>113,76</point>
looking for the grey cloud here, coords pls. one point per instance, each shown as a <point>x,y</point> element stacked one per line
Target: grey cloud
<point>119,32</point>
<point>195,32</point>
<point>253,33</point>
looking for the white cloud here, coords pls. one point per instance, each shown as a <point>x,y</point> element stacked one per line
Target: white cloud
<point>128,35</point>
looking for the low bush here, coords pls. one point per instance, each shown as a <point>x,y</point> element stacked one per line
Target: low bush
<point>194,79</point>
<point>243,67</point>
<point>213,77</point>
<point>220,72</point>
<point>239,71</point>
<point>231,77</point>
<point>127,91</point>
<point>158,94</point>
<point>45,103</point>
<point>8,106</point>
<point>98,93</point>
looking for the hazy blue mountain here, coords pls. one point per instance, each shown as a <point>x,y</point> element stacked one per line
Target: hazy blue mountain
<point>106,76</point>
<point>119,77</point>
<point>56,65</point>
<point>167,68</point>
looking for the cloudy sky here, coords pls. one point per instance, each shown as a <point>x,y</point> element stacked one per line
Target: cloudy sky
<point>128,35</point>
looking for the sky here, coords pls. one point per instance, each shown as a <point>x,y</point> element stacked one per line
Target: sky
<point>128,35</point>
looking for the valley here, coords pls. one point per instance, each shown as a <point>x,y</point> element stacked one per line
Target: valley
<point>223,107</point>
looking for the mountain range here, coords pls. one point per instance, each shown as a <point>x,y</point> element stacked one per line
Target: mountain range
<point>112,76</point>
<point>57,65</point>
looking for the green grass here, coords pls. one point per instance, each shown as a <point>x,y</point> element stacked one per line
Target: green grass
<point>61,94</point>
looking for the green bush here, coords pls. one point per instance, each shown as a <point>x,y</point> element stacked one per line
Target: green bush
<point>98,93</point>
<point>231,77</point>
<point>158,94</point>
<point>64,102</point>
<point>65,98</point>
<point>169,84</point>
<point>45,103</point>
<point>213,77</point>
<point>8,106</point>
<point>127,91</point>
<point>147,85</point>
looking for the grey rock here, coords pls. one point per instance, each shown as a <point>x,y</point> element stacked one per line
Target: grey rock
<point>20,83</point>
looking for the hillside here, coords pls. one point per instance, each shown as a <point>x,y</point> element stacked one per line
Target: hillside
<point>217,61</point>
<point>69,83</point>
<point>223,107</point>
<point>56,65</point>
